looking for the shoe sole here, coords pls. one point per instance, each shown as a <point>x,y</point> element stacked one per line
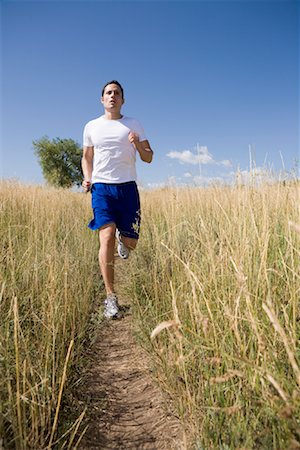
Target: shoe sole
<point>118,237</point>
<point>123,257</point>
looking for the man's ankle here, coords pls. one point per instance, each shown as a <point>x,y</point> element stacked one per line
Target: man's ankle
<point>110,293</point>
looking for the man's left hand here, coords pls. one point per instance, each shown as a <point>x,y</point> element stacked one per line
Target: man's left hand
<point>143,147</point>
<point>133,138</point>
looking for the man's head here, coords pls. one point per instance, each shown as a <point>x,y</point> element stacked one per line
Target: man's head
<point>112,97</point>
<point>113,82</point>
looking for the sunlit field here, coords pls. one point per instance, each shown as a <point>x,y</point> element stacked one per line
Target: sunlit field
<point>214,279</point>
<point>48,280</point>
<point>218,270</point>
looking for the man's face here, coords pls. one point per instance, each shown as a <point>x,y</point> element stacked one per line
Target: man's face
<point>112,98</point>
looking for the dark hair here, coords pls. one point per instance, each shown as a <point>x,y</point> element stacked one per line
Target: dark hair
<point>113,82</point>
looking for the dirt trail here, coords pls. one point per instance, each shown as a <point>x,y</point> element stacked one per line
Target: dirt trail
<point>126,408</point>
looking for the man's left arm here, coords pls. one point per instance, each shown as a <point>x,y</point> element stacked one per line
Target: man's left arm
<point>143,147</point>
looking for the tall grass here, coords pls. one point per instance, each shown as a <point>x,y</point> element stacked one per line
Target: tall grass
<point>48,278</point>
<point>218,269</point>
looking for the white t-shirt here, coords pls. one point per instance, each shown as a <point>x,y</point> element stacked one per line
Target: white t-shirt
<point>114,155</point>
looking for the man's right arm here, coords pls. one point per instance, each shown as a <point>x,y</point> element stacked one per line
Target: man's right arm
<point>87,167</point>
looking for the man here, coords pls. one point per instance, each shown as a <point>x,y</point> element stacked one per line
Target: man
<point>110,143</point>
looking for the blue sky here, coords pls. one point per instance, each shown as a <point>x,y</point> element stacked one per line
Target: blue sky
<point>205,78</point>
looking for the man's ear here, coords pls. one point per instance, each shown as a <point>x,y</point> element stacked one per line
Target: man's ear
<point>101,99</point>
<point>123,101</point>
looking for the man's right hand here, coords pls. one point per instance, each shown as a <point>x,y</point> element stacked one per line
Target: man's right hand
<point>87,185</point>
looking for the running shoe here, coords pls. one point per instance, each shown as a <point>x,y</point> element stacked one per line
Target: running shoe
<point>111,307</point>
<point>123,251</point>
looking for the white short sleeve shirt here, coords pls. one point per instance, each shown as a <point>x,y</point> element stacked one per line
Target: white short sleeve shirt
<point>114,155</point>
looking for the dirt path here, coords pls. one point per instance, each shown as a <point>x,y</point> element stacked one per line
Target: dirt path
<point>126,408</point>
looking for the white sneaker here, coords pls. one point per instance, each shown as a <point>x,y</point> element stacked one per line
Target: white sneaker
<point>111,307</point>
<point>123,251</point>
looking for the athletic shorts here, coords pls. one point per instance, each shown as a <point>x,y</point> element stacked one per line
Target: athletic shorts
<point>117,203</point>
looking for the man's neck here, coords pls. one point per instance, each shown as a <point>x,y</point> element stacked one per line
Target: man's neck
<point>111,115</point>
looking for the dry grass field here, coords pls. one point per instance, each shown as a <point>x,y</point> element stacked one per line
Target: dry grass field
<point>217,269</point>
<point>48,279</point>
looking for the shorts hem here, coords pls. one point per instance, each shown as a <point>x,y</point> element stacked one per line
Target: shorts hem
<point>96,226</point>
<point>129,234</point>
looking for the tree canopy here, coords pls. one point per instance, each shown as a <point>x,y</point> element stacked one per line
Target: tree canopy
<point>60,161</point>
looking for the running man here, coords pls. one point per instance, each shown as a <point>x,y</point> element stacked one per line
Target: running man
<point>110,143</point>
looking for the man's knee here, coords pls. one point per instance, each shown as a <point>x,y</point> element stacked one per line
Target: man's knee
<point>107,235</point>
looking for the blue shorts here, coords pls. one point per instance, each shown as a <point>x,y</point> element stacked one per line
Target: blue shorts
<point>117,203</point>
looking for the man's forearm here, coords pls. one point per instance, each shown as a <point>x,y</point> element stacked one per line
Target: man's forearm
<point>146,154</point>
<point>87,168</point>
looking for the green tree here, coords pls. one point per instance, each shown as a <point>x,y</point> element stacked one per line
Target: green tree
<point>60,161</point>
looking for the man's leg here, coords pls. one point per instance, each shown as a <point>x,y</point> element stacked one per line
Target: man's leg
<point>106,255</point>
<point>125,245</point>
<point>128,218</point>
<point>130,243</point>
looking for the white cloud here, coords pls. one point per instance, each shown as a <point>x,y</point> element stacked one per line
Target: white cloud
<point>171,181</point>
<point>256,175</point>
<point>200,180</point>
<point>156,185</point>
<point>225,163</point>
<point>186,156</point>
<point>201,156</point>
<point>192,181</point>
